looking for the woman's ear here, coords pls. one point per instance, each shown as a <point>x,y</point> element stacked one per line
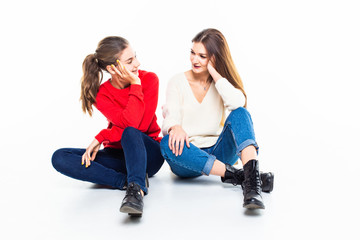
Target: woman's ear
<point>110,69</point>
<point>212,59</point>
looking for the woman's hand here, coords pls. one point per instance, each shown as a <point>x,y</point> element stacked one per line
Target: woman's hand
<point>214,74</point>
<point>177,137</point>
<point>91,150</point>
<point>125,74</point>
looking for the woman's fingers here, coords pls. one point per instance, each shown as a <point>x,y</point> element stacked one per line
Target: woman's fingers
<point>83,159</point>
<point>87,162</point>
<point>181,146</point>
<point>173,144</point>
<point>122,69</point>
<point>169,143</point>
<point>187,141</point>
<point>93,155</point>
<point>90,153</point>
<point>177,143</point>
<point>117,71</point>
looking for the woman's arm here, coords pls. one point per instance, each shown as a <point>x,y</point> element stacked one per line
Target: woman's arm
<point>232,97</point>
<point>172,119</point>
<point>112,134</point>
<point>134,115</point>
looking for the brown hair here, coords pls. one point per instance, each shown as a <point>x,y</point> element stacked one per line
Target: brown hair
<point>217,47</point>
<point>107,52</point>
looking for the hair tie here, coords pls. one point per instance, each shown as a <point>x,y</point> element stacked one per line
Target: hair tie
<point>95,56</point>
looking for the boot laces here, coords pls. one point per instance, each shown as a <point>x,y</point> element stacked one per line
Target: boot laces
<point>253,182</point>
<point>132,190</point>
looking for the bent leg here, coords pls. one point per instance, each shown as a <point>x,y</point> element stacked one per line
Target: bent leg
<point>142,155</point>
<point>106,169</point>
<point>153,154</point>
<point>192,162</point>
<point>237,136</point>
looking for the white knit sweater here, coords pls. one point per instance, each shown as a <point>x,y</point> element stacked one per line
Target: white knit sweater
<point>203,122</point>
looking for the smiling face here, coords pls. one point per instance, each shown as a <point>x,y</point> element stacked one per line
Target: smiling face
<point>199,58</point>
<point>129,60</point>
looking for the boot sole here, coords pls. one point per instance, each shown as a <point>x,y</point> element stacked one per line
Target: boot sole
<point>253,206</point>
<point>130,210</point>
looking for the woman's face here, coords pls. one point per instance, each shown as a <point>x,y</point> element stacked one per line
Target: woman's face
<point>199,58</point>
<point>129,60</point>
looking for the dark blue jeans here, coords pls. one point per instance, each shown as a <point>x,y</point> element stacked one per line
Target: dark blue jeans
<point>113,167</point>
<point>238,133</point>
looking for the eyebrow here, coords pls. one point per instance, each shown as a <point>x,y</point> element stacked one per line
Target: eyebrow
<point>129,59</point>
<point>199,53</point>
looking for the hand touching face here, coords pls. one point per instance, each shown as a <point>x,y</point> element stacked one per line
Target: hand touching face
<point>128,59</point>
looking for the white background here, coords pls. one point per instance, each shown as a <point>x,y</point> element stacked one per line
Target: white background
<point>299,61</point>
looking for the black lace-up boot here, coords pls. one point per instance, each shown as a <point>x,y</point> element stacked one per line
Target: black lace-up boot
<point>133,201</point>
<point>236,177</point>
<point>251,186</point>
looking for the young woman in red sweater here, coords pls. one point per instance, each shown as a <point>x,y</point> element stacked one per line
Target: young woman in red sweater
<point>131,141</point>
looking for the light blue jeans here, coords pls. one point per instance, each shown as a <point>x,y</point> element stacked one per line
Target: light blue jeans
<point>237,134</point>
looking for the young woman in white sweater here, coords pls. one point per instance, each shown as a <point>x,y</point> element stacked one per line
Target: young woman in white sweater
<point>199,137</point>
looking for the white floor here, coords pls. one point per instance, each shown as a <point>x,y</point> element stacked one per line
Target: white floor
<point>302,206</point>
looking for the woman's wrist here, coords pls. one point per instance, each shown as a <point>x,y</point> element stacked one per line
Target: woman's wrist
<point>215,76</point>
<point>172,128</point>
<point>213,73</point>
<point>136,81</point>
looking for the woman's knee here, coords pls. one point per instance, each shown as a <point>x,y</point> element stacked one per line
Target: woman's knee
<point>130,135</point>
<point>241,111</point>
<point>240,115</point>
<point>130,132</point>
<point>57,159</point>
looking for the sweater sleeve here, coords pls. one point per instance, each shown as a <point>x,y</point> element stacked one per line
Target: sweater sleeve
<point>131,115</point>
<point>172,108</point>
<point>233,98</point>
<point>151,95</point>
<point>112,134</point>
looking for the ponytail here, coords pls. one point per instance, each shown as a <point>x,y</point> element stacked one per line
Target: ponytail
<point>90,83</point>
<point>107,52</point>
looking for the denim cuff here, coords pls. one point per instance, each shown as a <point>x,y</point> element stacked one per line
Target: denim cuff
<point>246,143</point>
<point>208,165</point>
<point>145,190</point>
<point>121,182</point>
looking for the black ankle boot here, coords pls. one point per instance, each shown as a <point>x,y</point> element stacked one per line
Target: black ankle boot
<point>133,201</point>
<point>251,186</point>
<point>236,177</point>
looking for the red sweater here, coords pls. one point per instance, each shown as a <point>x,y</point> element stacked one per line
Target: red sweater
<point>133,106</point>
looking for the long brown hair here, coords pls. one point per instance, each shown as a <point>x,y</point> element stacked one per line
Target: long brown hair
<point>107,52</point>
<point>217,48</point>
